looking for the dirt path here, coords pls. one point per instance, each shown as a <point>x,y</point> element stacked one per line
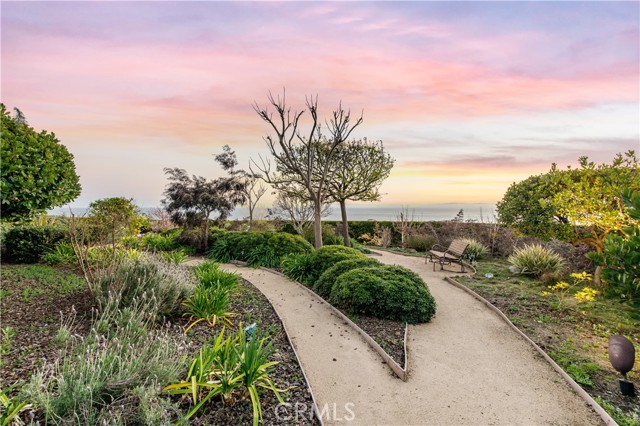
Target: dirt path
<point>466,366</point>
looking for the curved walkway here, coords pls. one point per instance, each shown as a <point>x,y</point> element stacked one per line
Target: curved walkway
<point>467,367</point>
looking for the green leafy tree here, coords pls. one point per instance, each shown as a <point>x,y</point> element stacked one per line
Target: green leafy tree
<point>37,171</point>
<point>524,209</point>
<point>620,257</point>
<point>358,169</point>
<point>591,196</point>
<point>115,218</point>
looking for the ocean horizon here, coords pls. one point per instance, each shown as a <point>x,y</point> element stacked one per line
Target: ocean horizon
<point>478,212</point>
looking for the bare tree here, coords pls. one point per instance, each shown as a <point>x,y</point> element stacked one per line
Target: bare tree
<point>296,209</point>
<point>254,190</point>
<point>359,169</point>
<point>295,152</point>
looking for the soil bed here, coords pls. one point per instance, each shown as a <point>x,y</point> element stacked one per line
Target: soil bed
<point>253,307</point>
<point>32,304</point>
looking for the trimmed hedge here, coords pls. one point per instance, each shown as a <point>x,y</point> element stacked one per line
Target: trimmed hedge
<point>27,243</point>
<point>326,281</point>
<point>388,292</point>
<point>327,256</point>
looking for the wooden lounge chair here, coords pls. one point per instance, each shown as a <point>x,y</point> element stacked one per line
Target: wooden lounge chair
<point>448,256</point>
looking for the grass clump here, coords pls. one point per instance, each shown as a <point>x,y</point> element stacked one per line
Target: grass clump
<point>536,260</point>
<point>297,266</point>
<point>388,292</point>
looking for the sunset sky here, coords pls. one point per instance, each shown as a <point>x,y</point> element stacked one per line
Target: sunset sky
<point>467,97</point>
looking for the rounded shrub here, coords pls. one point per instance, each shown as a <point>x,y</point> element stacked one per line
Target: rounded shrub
<point>328,278</point>
<point>327,256</point>
<point>27,243</point>
<point>536,260</point>
<point>388,292</point>
<point>420,242</point>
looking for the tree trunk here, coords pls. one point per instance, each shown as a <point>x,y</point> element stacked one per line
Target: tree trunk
<point>345,223</point>
<point>250,215</point>
<point>205,241</point>
<point>317,223</point>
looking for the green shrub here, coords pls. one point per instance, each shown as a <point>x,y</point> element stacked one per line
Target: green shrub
<point>325,283</point>
<point>113,376</point>
<point>329,236</point>
<point>536,260</point>
<point>297,266</point>
<point>144,278</point>
<point>420,242</point>
<point>620,259</point>
<point>27,244</point>
<point>475,250</point>
<point>388,292</point>
<point>264,248</point>
<point>209,275</point>
<point>62,254</point>
<point>327,256</point>
<point>174,256</point>
<point>158,242</point>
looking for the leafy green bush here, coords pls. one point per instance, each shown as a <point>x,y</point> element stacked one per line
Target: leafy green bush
<point>420,242</point>
<point>327,256</point>
<point>297,266</point>
<point>536,260</point>
<point>475,250</point>
<point>174,256</point>
<point>263,248</point>
<point>158,242</point>
<point>209,274</point>
<point>147,278</point>
<point>27,243</point>
<point>325,283</point>
<point>388,292</point>
<point>112,376</point>
<point>62,254</point>
<point>620,256</point>
<point>329,236</point>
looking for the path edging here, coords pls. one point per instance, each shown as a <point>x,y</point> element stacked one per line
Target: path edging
<point>402,373</point>
<point>316,410</point>
<point>608,420</point>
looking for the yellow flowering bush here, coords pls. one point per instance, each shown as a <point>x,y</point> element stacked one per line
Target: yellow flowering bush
<point>561,288</point>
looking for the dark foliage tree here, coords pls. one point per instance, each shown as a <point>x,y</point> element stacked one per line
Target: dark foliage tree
<point>295,153</point>
<point>37,171</point>
<point>191,200</point>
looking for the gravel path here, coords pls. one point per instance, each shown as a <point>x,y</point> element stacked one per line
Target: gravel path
<point>466,366</point>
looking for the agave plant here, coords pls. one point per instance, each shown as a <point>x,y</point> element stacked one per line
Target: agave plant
<point>11,407</point>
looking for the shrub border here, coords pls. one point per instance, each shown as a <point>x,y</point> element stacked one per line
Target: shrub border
<point>608,420</point>
<point>402,373</point>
